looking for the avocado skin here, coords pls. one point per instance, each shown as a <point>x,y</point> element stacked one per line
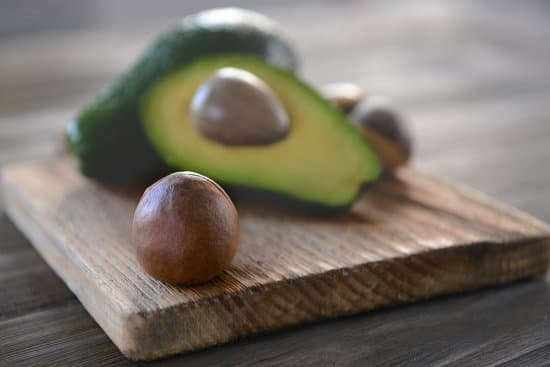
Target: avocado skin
<point>107,137</point>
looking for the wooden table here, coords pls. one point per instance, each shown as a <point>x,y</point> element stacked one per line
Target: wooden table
<point>474,80</point>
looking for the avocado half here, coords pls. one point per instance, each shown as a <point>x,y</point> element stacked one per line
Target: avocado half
<point>323,159</point>
<point>107,137</point>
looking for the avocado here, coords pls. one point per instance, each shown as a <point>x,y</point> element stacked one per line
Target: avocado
<point>322,160</point>
<point>107,137</point>
<point>385,129</point>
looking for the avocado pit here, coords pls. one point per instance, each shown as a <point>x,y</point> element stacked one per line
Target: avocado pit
<point>384,128</point>
<point>185,229</point>
<point>235,107</point>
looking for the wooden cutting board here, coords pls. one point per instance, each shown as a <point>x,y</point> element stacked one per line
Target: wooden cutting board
<point>408,238</point>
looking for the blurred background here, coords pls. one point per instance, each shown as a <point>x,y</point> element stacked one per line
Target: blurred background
<point>472,77</point>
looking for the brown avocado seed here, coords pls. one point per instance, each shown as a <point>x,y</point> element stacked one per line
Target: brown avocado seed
<point>185,229</point>
<point>385,130</point>
<point>235,107</point>
<point>344,96</point>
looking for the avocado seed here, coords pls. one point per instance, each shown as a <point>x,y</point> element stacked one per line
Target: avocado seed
<point>235,107</point>
<point>185,229</point>
<point>385,130</point>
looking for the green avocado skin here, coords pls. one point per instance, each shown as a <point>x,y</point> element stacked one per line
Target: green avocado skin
<point>107,137</point>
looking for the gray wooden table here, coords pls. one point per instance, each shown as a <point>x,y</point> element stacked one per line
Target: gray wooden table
<point>474,80</point>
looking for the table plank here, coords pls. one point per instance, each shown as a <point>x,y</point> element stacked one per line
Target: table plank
<point>62,335</point>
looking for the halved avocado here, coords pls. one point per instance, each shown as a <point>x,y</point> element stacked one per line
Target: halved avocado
<point>107,137</point>
<point>323,159</point>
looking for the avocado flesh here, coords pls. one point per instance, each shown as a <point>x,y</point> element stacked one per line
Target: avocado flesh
<point>323,159</point>
<point>107,136</point>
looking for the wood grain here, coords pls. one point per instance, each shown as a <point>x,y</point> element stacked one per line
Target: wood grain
<point>408,238</point>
